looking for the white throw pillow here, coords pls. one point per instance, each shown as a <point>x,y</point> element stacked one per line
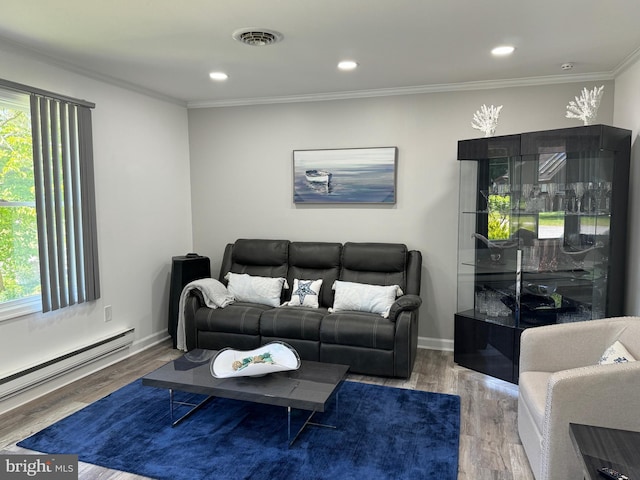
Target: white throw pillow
<point>248,288</point>
<point>363,297</point>
<point>306,293</point>
<point>616,353</point>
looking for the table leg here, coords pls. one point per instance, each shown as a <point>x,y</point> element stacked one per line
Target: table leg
<point>195,406</point>
<point>307,422</point>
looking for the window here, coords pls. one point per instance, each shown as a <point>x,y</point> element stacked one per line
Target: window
<point>19,266</point>
<point>48,242</point>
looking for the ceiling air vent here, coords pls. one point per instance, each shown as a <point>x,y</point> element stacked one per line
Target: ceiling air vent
<point>257,37</point>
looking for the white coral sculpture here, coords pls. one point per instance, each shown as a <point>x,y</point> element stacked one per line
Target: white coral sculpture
<point>486,119</point>
<point>586,106</point>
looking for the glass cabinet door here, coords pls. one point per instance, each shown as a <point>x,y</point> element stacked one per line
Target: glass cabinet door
<point>563,230</point>
<point>488,239</point>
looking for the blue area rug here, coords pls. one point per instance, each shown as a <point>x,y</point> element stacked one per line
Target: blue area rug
<point>382,433</point>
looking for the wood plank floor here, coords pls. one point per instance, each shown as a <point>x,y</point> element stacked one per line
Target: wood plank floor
<point>489,444</point>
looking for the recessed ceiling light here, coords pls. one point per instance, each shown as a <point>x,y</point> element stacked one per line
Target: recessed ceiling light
<point>503,50</point>
<point>347,65</point>
<point>219,76</point>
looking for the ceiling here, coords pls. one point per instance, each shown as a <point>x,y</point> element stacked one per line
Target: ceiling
<point>167,48</point>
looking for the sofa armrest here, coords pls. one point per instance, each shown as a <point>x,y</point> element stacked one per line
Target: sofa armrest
<point>565,346</point>
<point>602,395</point>
<point>404,303</point>
<point>406,343</point>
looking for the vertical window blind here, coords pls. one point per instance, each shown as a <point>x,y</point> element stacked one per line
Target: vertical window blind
<point>65,201</point>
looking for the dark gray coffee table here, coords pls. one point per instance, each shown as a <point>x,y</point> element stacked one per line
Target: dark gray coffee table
<point>308,388</point>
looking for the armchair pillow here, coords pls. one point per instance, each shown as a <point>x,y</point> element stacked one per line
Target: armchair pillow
<point>616,353</point>
<point>363,297</point>
<point>248,288</point>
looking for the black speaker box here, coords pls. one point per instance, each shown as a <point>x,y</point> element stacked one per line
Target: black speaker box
<point>184,270</point>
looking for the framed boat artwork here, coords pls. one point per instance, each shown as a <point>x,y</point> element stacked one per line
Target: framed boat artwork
<point>347,175</point>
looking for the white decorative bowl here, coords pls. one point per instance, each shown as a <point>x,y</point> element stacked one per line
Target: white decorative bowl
<point>269,358</point>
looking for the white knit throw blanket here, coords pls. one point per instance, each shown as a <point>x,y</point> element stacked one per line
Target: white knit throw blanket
<point>215,296</point>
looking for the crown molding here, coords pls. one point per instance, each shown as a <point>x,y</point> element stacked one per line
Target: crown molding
<point>627,62</point>
<point>22,49</point>
<point>387,92</point>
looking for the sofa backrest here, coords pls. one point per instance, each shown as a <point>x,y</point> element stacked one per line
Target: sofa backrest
<point>314,260</point>
<point>374,263</point>
<point>381,264</point>
<point>264,258</point>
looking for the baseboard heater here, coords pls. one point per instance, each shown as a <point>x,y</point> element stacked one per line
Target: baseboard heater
<point>31,377</point>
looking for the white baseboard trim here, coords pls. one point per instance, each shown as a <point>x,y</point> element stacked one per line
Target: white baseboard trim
<point>38,374</point>
<point>435,344</point>
<point>148,342</point>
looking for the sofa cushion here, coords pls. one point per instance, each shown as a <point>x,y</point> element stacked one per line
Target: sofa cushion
<point>238,317</point>
<point>255,289</point>
<point>375,263</point>
<point>292,322</point>
<point>265,258</point>
<point>363,297</point>
<point>358,329</point>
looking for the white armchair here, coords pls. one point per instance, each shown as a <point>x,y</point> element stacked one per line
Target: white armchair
<point>561,382</point>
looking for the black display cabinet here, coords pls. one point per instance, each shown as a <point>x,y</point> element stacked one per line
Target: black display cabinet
<point>541,239</point>
<point>184,269</point>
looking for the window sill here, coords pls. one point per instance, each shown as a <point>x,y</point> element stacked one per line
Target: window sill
<point>18,308</point>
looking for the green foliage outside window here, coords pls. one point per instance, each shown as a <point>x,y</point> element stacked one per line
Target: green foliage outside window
<point>499,208</point>
<point>19,268</point>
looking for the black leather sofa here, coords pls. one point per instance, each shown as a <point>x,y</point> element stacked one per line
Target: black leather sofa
<point>367,342</point>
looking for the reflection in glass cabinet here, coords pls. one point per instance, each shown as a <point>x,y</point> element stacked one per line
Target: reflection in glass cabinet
<point>542,231</point>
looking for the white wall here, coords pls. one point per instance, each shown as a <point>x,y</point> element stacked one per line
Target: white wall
<point>627,115</point>
<point>241,173</point>
<point>143,215</point>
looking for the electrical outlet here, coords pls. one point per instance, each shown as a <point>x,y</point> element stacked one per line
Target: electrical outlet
<point>108,314</point>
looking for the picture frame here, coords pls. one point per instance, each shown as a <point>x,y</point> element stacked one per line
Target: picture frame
<point>345,175</point>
